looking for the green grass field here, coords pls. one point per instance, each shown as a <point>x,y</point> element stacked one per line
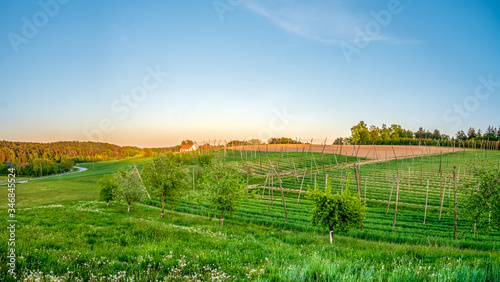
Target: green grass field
<point>64,234</point>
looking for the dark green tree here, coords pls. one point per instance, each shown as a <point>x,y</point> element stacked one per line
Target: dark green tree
<point>360,133</point>
<point>68,163</point>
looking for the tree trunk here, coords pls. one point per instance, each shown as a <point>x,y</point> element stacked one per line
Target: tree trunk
<point>128,207</point>
<point>162,206</point>
<point>221,219</point>
<point>332,238</point>
<point>107,204</point>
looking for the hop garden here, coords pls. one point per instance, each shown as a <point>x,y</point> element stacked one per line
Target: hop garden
<point>66,234</point>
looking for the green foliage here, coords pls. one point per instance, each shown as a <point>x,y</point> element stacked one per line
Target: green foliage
<point>187,142</point>
<point>68,163</point>
<point>129,187</point>
<point>222,187</point>
<point>107,188</point>
<point>3,169</point>
<point>82,240</point>
<point>167,178</point>
<point>205,160</point>
<point>348,181</point>
<point>339,212</point>
<point>282,140</point>
<point>360,132</point>
<point>41,167</point>
<point>478,202</point>
<point>147,152</point>
<point>22,152</point>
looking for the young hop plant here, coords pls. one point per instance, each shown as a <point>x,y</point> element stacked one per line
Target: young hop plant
<point>337,212</point>
<point>167,178</point>
<point>223,187</point>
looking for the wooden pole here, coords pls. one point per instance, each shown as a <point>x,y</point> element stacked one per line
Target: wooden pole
<point>315,188</point>
<point>397,200</point>
<point>389,172</point>
<point>373,176</point>
<point>294,175</point>
<point>265,182</point>
<point>341,180</point>
<point>413,156</point>
<point>440,161</point>
<point>271,193</point>
<point>300,190</point>
<point>140,178</point>
<point>248,171</point>
<point>390,197</point>
<point>281,187</point>
<point>315,164</point>
<point>302,155</point>
<point>366,182</point>
<point>409,177</point>
<point>456,208</point>
<point>475,221</point>
<point>421,169</point>
<point>260,160</point>
<point>442,202</point>
<point>358,186</point>
<point>441,185</point>
<point>426,199</point>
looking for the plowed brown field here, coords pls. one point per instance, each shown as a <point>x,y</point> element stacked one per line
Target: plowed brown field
<point>375,152</point>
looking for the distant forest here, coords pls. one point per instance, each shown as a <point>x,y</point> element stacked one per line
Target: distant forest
<point>24,152</point>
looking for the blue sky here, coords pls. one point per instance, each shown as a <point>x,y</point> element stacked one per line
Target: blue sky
<point>244,69</point>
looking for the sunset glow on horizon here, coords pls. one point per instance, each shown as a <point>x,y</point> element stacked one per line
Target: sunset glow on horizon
<point>153,74</point>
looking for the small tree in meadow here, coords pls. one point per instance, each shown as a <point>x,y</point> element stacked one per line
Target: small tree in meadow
<point>166,177</point>
<point>223,187</point>
<point>339,212</point>
<point>129,187</point>
<point>108,187</point>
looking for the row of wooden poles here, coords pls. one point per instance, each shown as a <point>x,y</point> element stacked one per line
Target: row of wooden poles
<point>274,170</point>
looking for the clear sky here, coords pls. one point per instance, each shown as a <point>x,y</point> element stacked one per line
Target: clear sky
<point>152,73</point>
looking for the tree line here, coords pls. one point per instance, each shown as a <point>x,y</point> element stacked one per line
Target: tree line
<point>23,152</point>
<point>38,167</point>
<point>396,135</point>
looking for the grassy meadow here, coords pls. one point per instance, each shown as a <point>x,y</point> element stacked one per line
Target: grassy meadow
<point>64,234</point>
